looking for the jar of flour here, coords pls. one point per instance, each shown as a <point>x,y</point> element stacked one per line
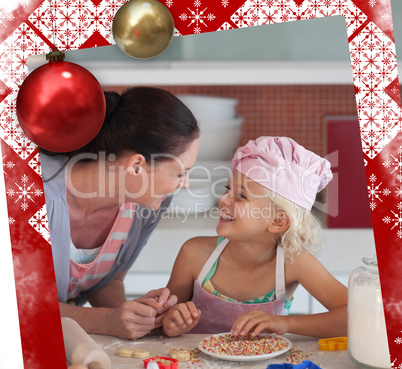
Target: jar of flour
<point>367,335</point>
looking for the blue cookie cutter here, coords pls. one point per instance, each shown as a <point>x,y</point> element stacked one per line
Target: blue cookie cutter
<point>304,365</point>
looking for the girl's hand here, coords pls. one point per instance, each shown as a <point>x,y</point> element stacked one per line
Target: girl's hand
<point>180,319</point>
<point>255,322</point>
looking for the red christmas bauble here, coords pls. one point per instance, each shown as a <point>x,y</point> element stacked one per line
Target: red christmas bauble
<point>61,106</point>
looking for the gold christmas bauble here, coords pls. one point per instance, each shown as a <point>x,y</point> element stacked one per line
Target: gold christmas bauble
<point>143,28</point>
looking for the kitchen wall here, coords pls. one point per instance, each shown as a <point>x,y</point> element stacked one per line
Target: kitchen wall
<point>297,111</point>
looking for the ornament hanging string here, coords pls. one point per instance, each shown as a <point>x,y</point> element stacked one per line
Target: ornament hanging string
<point>52,22</point>
<point>55,54</point>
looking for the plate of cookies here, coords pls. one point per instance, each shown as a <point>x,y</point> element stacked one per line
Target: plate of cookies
<point>225,346</point>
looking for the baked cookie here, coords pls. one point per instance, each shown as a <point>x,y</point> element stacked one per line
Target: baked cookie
<point>124,352</point>
<point>132,352</point>
<point>139,353</point>
<point>179,353</point>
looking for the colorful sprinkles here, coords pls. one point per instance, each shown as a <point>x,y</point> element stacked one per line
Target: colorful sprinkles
<point>194,355</point>
<point>296,356</point>
<point>248,345</point>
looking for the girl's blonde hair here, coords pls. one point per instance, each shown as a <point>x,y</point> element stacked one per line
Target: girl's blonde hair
<point>304,232</point>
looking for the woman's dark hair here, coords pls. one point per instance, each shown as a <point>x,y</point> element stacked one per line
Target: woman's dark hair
<point>146,120</point>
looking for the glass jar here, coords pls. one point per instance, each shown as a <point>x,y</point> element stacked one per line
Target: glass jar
<point>367,335</point>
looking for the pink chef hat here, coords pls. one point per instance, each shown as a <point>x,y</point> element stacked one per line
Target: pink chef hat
<point>283,166</point>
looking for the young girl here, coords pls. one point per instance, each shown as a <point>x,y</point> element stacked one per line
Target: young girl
<point>243,281</point>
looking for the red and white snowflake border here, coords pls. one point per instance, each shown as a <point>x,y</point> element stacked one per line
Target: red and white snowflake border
<point>24,192</point>
<point>197,17</point>
<point>7,164</point>
<point>375,192</point>
<point>40,223</point>
<point>395,218</point>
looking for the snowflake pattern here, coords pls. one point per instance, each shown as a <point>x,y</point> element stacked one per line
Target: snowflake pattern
<point>197,17</point>
<point>7,164</point>
<point>34,163</point>
<point>387,17</point>
<point>24,192</point>
<point>397,164</point>
<point>394,166</point>
<point>225,26</point>
<point>375,192</point>
<point>379,121</point>
<point>40,223</point>
<point>395,220</point>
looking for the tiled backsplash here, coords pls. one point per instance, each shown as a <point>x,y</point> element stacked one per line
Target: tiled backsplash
<point>297,111</point>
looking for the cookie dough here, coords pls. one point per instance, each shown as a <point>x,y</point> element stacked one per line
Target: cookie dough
<point>131,352</point>
<point>124,352</point>
<point>179,353</point>
<point>139,353</point>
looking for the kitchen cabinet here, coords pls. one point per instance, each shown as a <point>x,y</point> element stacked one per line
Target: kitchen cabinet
<point>348,204</point>
<point>209,73</point>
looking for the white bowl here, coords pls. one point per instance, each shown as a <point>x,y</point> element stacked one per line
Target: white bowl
<point>210,170</point>
<point>213,123</point>
<point>218,142</point>
<point>205,108</point>
<point>200,197</point>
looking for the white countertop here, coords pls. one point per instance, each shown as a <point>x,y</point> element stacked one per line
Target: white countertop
<point>158,345</point>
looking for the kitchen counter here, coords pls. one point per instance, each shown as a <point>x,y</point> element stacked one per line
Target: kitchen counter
<point>304,348</point>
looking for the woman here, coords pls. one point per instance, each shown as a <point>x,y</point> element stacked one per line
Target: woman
<point>104,201</point>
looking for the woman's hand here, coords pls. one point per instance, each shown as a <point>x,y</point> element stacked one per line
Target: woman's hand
<point>132,319</point>
<point>257,322</point>
<point>163,302</point>
<point>136,318</point>
<point>125,319</point>
<point>181,319</point>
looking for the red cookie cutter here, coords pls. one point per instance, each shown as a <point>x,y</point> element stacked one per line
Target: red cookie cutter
<point>163,362</point>
<point>333,344</point>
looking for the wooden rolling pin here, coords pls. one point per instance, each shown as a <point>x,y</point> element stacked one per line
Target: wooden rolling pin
<point>81,348</point>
